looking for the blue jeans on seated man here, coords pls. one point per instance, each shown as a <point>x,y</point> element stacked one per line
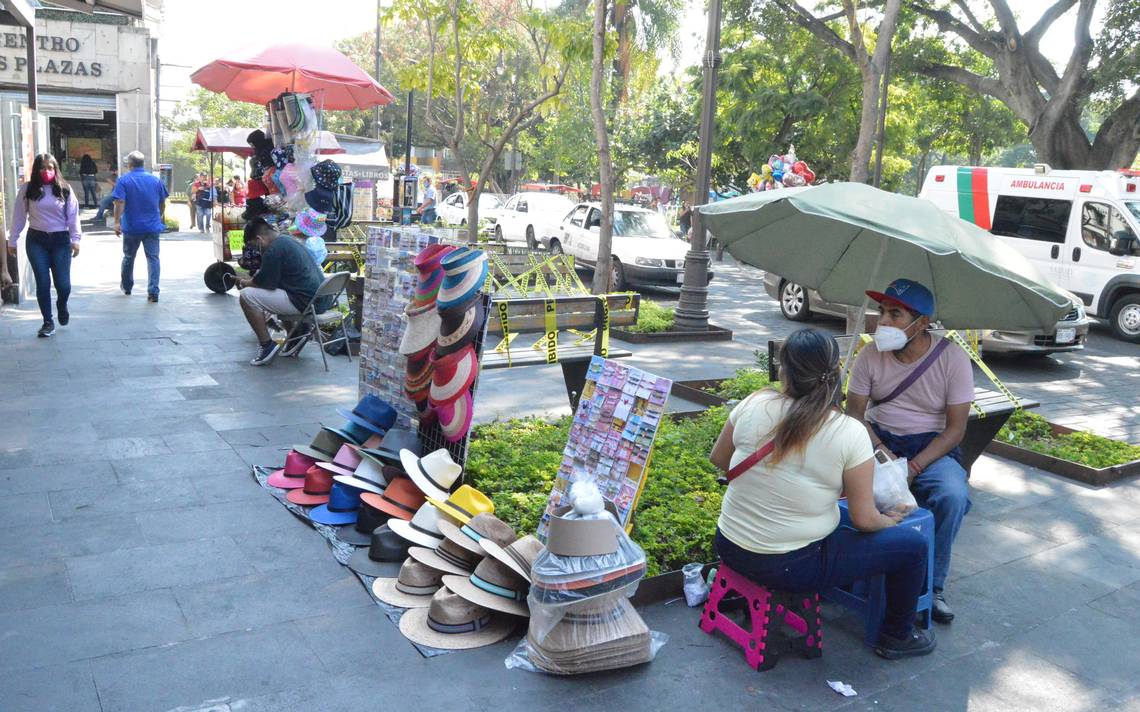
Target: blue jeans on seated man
<point>941,488</point>
<point>843,557</point>
<point>149,242</point>
<point>49,254</point>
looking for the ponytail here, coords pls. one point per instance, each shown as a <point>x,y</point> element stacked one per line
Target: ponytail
<point>809,372</point>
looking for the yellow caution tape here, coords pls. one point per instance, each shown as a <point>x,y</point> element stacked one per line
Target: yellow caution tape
<point>604,344</point>
<point>504,323</point>
<point>973,354</point>
<point>551,331</point>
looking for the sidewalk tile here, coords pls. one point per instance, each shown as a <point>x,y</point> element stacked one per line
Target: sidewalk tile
<point>214,520</point>
<point>67,687</point>
<point>31,545</point>
<point>123,499</point>
<point>48,478</point>
<point>181,465</point>
<point>1094,645</point>
<point>42,584</point>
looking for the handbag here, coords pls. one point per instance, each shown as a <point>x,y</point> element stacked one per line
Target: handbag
<point>915,374</point>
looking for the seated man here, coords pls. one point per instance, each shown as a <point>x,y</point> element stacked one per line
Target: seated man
<point>919,389</point>
<point>283,285</point>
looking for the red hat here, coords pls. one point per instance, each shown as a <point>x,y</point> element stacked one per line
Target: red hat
<point>401,499</point>
<point>318,483</point>
<point>292,476</point>
<point>453,374</point>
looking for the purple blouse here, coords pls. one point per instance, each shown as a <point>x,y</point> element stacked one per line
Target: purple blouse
<point>48,214</point>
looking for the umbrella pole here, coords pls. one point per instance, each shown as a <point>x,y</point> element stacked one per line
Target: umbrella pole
<point>862,317</point>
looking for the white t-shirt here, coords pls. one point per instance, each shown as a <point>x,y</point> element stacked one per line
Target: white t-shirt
<point>774,509</point>
<point>429,194</point>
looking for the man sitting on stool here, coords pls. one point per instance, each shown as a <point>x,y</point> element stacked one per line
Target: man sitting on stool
<point>922,421</point>
<point>283,285</point>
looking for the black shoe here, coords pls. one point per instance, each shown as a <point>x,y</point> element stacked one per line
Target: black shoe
<point>125,291</point>
<point>918,642</point>
<point>63,315</point>
<point>265,353</point>
<point>941,611</point>
<point>46,330</point>
<point>152,298</point>
<point>293,346</point>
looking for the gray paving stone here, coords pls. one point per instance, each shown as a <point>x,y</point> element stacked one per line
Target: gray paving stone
<point>49,478</point>
<point>146,568</point>
<point>208,441</point>
<point>360,633</point>
<point>986,544</point>
<point>1055,520</point>
<point>281,436</point>
<point>43,584</point>
<point>228,487</point>
<point>1122,603</point>
<point>55,452</point>
<point>32,545</point>
<point>26,510</point>
<point>58,687</point>
<point>1113,557</point>
<point>188,675</point>
<point>214,520</point>
<point>53,634</point>
<point>284,548</point>
<point>150,426</point>
<point>123,499</point>
<point>181,465</point>
<point>1092,644</point>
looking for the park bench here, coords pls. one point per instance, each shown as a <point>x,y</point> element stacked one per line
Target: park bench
<point>988,413</point>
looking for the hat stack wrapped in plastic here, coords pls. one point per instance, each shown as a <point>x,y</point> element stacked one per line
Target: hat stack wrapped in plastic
<point>580,617</point>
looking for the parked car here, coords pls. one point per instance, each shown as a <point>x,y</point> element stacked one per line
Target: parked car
<point>799,304</point>
<point>528,217</point>
<point>453,209</point>
<point>645,251</point>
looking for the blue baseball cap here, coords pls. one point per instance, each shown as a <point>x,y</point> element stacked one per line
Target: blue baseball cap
<point>908,294</point>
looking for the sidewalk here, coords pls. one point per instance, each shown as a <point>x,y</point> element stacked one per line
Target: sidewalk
<point>142,568</point>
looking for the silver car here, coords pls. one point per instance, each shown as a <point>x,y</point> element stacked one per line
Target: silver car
<point>799,304</point>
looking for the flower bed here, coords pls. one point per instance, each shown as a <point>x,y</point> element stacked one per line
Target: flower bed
<point>655,325</point>
<point>1032,440</point>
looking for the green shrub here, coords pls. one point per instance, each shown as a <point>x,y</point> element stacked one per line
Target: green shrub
<point>743,383</point>
<point>1032,432</point>
<point>514,463</point>
<point>171,223</point>
<point>653,318</point>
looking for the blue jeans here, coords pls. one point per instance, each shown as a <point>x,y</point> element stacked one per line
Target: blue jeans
<point>90,190</point>
<point>104,205</point>
<point>49,253</point>
<point>428,216</point>
<point>205,217</point>
<point>843,557</point>
<point>149,242</point>
<point>941,488</point>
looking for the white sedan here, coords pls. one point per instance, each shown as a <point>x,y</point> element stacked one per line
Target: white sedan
<point>453,209</point>
<point>530,217</point>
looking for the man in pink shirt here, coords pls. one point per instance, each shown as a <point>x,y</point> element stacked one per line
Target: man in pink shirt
<point>921,418</point>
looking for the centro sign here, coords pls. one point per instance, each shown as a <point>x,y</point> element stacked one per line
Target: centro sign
<point>48,43</point>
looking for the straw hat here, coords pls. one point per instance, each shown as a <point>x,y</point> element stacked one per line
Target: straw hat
<point>496,585</point>
<point>453,623</point>
<point>435,473</point>
<point>422,328</point>
<point>482,526</point>
<point>412,588</point>
<point>464,503</point>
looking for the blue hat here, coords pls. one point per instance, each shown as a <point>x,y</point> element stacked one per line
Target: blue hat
<point>344,501</point>
<point>908,294</point>
<point>371,413</point>
<point>465,271</point>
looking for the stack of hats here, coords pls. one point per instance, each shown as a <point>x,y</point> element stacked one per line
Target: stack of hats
<point>581,619</point>
<point>445,317</point>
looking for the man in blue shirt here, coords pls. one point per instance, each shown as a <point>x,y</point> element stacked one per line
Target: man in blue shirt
<point>140,206</point>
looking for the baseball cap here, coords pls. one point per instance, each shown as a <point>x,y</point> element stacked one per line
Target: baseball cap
<point>908,294</point>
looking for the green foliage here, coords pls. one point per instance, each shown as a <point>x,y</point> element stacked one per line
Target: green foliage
<point>514,462</point>
<point>743,383</point>
<point>1032,432</point>
<point>171,223</point>
<point>653,318</point>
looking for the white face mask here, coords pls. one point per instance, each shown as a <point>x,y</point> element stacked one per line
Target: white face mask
<point>891,338</point>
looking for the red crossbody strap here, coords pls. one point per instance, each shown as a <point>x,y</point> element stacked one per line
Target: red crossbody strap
<point>746,464</point>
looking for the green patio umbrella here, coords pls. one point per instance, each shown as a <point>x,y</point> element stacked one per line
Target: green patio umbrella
<point>845,238</point>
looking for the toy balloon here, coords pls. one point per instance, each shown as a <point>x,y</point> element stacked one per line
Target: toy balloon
<point>799,167</point>
<point>773,160</point>
<point>808,176</point>
<point>777,175</point>
<point>766,171</point>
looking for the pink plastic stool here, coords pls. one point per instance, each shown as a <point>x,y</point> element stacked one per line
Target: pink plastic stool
<point>798,610</point>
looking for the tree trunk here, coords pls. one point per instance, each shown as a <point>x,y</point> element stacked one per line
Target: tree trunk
<point>920,174</point>
<point>624,28</point>
<point>868,118</point>
<point>872,68</point>
<point>603,268</point>
<point>881,138</point>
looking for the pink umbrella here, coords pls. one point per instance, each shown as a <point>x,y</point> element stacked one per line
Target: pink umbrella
<point>261,74</point>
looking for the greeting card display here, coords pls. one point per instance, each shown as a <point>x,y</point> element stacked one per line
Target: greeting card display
<point>611,436</point>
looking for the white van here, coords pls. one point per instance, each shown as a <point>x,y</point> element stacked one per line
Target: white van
<point>1079,228</point>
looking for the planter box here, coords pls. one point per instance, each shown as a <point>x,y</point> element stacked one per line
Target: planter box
<point>1097,476</point>
<point>714,333</point>
<point>698,391</point>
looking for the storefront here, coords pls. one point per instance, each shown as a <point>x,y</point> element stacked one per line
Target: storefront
<point>365,161</point>
<point>97,79</point>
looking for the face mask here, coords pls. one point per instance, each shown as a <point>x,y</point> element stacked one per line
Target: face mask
<point>891,338</point>
<point>47,176</point>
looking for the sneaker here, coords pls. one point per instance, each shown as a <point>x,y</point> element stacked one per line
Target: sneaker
<point>152,298</point>
<point>63,315</point>
<point>293,346</point>
<point>265,353</point>
<point>918,642</point>
<point>125,291</point>
<point>46,330</point>
<point>941,611</point>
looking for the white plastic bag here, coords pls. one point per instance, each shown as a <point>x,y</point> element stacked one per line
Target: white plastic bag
<point>696,590</point>
<point>892,492</point>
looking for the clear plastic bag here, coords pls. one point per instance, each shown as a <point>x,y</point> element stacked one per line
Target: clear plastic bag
<point>696,590</point>
<point>604,633</point>
<point>891,489</point>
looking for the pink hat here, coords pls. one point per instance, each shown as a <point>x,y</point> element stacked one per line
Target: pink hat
<point>290,177</point>
<point>455,418</point>
<point>292,476</point>
<point>452,375</point>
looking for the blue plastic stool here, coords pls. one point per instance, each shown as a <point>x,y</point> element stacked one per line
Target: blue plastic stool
<point>868,597</point>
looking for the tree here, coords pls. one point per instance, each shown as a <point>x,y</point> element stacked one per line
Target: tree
<point>603,268</point>
<point>1049,102</point>
<point>202,108</point>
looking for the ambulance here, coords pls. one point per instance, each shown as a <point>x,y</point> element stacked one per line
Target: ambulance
<point>1079,228</point>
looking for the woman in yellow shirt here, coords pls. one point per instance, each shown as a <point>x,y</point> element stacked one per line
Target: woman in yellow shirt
<point>779,521</point>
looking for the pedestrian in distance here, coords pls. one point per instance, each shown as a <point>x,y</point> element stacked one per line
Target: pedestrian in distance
<point>192,192</point>
<point>790,455</point>
<point>686,219</point>
<point>108,200</point>
<point>47,205</point>
<point>204,198</point>
<point>140,212</point>
<point>87,176</point>
<point>426,208</point>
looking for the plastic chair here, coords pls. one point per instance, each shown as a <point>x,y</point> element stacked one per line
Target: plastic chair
<point>766,609</point>
<point>868,597</point>
<point>333,286</point>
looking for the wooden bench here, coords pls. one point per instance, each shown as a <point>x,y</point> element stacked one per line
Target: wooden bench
<point>989,412</point>
<point>527,324</point>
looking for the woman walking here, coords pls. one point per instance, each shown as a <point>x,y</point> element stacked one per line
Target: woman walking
<point>779,520</point>
<point>49,208</point>
<point>87,175</point>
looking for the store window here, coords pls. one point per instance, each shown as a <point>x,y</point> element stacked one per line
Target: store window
<point>1103,227</point>
<point>1039,219</point>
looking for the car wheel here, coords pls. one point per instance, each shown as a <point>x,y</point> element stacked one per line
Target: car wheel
<point>499,233</point>
<point>794,302</point>
<point>530,241</point>
<point>1125,318</point>
<point>618,273</point>
<point>556,247</point>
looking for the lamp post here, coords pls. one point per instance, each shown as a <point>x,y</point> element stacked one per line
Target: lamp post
<point>692,308</point>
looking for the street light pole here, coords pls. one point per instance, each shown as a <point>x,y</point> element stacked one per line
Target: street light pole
<point>692,308</point>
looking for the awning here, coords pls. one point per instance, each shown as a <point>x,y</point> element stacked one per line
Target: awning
<point>135,8</point>
<point>373,165</point>
<point>233,141</point>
